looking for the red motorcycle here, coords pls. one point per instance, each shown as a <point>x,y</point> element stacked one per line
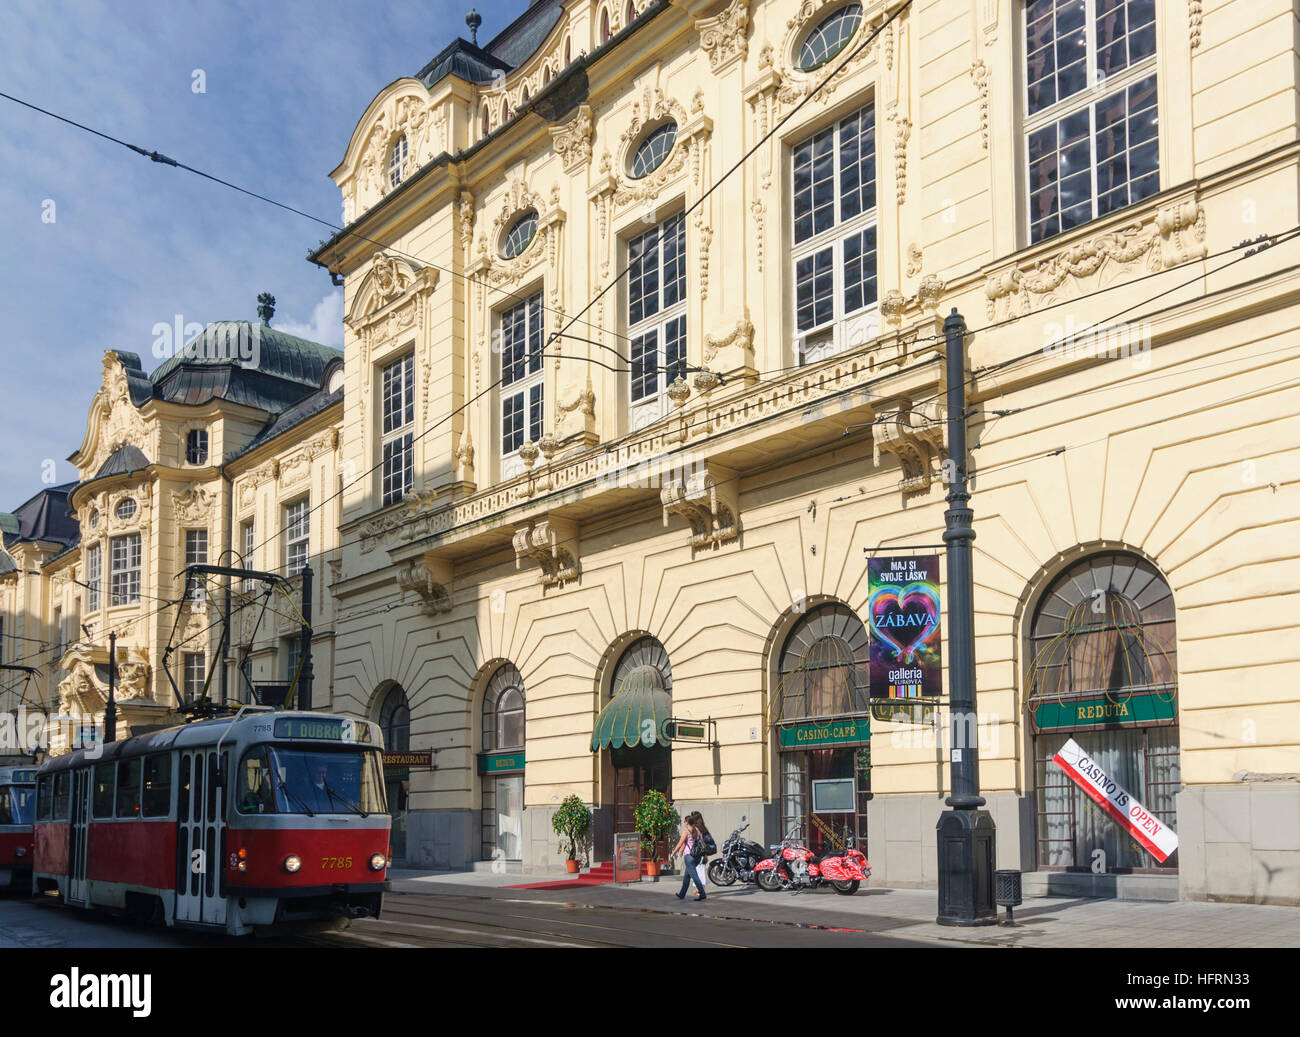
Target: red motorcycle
<point>794,866</point>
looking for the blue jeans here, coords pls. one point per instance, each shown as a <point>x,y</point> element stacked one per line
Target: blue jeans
<point>689,867</point>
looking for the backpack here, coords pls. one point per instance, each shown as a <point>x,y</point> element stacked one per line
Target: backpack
<point>705,846</point>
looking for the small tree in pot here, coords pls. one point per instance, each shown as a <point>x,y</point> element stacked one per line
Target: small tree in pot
<point>571,822</point>
<point>655,818</point>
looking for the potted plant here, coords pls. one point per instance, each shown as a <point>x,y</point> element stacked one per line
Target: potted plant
<point>571,822</point>
<point>655,818</point>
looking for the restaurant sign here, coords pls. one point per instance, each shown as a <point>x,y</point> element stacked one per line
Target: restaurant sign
<point>1156,837</point>
<point>407,760</point>
<point>1098,712</point>
<point>832,732</point>
<point>500,763</point>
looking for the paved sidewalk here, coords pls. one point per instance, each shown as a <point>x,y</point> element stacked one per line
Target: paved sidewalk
<point>1040,921</point>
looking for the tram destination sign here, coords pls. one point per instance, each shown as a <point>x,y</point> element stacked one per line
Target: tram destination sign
<point>832,732</point>
<point>324,729</point>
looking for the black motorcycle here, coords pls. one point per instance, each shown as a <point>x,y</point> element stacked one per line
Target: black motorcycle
<point>736,861</point>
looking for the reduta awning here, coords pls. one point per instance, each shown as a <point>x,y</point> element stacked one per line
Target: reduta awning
<point>636,715</point>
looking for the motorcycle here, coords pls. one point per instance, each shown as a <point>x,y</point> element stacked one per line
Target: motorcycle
<point>737,859</point>
<point>793,866</point>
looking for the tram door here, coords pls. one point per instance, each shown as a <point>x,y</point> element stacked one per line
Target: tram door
<point>78,836</point>
<point>200,840</point>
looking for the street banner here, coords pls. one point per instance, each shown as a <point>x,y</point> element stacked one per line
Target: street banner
<point>1156,837</point>
<point>904,617</point>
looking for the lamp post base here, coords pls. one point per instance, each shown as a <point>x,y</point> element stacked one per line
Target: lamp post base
<point>966,856</point>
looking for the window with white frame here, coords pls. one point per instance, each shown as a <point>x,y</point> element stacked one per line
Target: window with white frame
<point>196,446</point>
<point>196,553</point>
<point>292,653</point>
<point>94,576</point>
<point>521,378</point>
<point>124,570</point>
<point>834,233</point>
<point>1091,117</point>
<point>397,161</point>
<point>297,530</point>
<point>397,403</point>
<point>246,538</point>
<point>196,666</point>
<point>656,316</point>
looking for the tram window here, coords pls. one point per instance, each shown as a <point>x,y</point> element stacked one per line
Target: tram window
<point>255,795</point>
<point>62,797</point>
<point>42,799</point>
<point>128,788</point>
<point>157,795</point>
<point>212,786</point>
<point>183,797</point>
<point>6,814</point>
<point>103,798</point>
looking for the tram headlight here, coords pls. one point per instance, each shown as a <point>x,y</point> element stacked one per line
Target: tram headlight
<point>292,863</point>
<point>378,862</point>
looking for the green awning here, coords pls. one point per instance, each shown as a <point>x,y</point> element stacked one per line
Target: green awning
<point>640,697</point>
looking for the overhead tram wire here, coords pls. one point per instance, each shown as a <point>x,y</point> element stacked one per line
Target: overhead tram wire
<point>571,321</point>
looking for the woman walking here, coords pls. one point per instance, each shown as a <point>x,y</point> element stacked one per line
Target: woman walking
<point>692,840</point>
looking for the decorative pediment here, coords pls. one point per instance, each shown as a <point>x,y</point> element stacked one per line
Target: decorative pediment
<point>553,544</point>
<point>429,577</point>
<point>723,38</point>
<point>1157,240</point>
<point>114,421</point>
<point>915,435</point>
<point>707,496</point>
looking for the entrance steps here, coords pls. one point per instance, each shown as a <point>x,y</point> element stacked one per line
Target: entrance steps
<point>599,875</point>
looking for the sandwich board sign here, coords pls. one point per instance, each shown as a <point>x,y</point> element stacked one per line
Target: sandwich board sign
<point>1156,837</point>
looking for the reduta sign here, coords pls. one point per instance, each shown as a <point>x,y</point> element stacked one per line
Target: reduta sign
<point>1154,835</point>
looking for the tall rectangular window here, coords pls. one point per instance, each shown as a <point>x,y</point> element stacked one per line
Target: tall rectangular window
<point>196,553</point>
<point>656,315</point>
<point>195,664</point>
<point>1091,117</point>
<point>834,220</point>
<point>246,533</point>
<point>124,570</point>
<point>94,576</point>
<point>297,530</point>
<point>292,653</point>
<point>521,375</point>
<point>397,429</point>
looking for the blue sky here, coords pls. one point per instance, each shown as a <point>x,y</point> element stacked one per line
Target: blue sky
<point>133,243</point>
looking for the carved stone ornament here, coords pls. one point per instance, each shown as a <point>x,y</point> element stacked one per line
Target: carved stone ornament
<point>708,498</point>
<point>732,350</point>
<point>193,504</point>
<point>1158,240</point>
<point>546,246</point>
<point>892,305</point>
<point>915,436</point>
<point>573,140</point>
<point>576,414</point>
<point>1194,17</point>
<point>980,74</point>
<point>615,189</point>
<point>431,578</point>
<point>83,693</point>
<point>787,85</point>
<point>465,214</point>
<point>406,112</point>
<point>722,38</point>
<point>553,544</point>
<point>114,420</point>
<point>913,259</point>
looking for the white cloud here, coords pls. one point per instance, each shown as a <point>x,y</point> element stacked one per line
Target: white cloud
<point>325,326</point>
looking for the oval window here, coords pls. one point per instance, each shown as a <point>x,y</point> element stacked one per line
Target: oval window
<point>831,36</point>
<point>520,236</point>
<point>125,509</point>
<point>397,161</point>
<point>653,150</point>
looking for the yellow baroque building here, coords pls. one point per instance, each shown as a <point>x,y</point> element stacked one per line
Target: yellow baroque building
<point>226,454</point>
<point>645,361</point>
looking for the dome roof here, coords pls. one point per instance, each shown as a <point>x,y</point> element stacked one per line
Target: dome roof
<point>123,461</point>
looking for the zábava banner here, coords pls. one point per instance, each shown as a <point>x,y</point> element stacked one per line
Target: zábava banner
<point>904,616</point>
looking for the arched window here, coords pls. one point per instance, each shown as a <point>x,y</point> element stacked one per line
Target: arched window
<point>652,152</point>
<point>524,99</point>
<point>645,652</point>
<point>1102,671</point>
<point>604,26</point>
<point>568,51</point>
<point>397,161</point>
<point>631,14</point>
<point>503,711</point>
<point>520,236</point>
<point>487,121</point>
<point>830,36</point>
<point>546,75</point>
<point>395,721</point>
<point>824,666</point>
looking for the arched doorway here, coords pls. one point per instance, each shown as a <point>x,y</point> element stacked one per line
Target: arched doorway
<point>501,764</point>
<point>821,718</point>
<point>1102,671</point>
<point>395,722</point>
<point>630,731</point>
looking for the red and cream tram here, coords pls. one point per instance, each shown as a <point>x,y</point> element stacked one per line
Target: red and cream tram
<point>227,823</point>
<point>17,806</point>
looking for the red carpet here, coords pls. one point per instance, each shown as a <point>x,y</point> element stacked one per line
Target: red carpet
<point>600,875</point>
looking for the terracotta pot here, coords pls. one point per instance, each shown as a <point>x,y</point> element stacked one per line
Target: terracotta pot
<point>571,867</point>
<point>652,869</point>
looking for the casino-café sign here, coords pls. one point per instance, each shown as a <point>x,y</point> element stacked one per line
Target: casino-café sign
<point>832,732</point>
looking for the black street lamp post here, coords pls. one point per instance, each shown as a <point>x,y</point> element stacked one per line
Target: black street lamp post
<point>965,832</point>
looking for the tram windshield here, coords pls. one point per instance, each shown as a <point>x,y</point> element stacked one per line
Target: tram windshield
<point>277,779</point>
<point>17,804</point>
